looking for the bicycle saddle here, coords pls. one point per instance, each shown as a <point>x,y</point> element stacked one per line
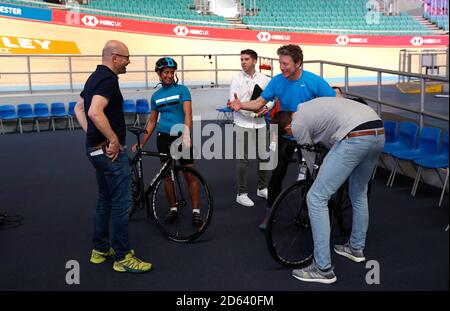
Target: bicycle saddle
<point>136,130</point>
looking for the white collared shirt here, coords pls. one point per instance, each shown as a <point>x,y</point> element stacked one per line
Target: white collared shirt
<point>243,84</point>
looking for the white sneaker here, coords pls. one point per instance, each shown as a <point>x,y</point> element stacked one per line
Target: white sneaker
<point>244,200</point>
<point>263,193</point>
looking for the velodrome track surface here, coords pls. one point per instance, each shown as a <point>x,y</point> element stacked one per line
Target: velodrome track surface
<point>91,41</point>
<point>47,178</point>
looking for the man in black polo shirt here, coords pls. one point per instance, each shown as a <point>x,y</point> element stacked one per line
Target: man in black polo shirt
<point>99,111</point>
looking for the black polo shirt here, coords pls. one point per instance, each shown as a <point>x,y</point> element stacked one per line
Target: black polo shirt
<point>104,82</point>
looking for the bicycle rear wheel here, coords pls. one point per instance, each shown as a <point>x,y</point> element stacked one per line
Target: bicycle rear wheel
<point>182,229</point>
<point>288,235</point>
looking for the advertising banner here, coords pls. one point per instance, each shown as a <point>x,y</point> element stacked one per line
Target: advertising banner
<point>25,12</point>
<point>211,33</point>
<point>18,45</point>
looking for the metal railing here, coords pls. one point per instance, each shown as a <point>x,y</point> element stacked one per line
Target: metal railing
<point>423,61</point>
<point>216,64</point>
<point>423,79</point>
<point>143,61</point>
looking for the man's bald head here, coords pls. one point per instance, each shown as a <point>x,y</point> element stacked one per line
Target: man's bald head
<point>114,47</point>
<point>116,56</point>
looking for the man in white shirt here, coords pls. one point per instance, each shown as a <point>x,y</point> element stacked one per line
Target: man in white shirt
<point>253,123</point>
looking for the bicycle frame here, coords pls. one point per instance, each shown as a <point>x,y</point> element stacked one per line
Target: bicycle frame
<point>168,165</point>
<point>137,163</point>
<point>319,151</point>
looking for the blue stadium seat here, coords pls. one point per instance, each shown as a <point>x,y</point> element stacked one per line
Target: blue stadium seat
<point>42,113</point>
<point>71,113</point>
<point>437,162</point>
<point>58,111</point>
<point>406,138</point>
<point>8,113</point>
<point>25,112</point>
<point>428,145</point>
<point>390,127</point>
<point>129,107</point>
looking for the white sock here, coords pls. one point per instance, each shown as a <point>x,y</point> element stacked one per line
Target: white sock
<point>174,208</point>
<point>196,210</point>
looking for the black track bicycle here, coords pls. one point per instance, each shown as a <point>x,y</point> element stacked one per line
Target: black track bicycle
<point>171,178</point>
<point>288,234</point>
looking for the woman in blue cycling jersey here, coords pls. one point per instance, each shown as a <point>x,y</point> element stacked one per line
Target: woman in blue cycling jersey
<point>173,105</point>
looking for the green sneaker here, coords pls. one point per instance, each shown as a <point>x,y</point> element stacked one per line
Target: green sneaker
<point>99,257</point>
<point>131,264</point>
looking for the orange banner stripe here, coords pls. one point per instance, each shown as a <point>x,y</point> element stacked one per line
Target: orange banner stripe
<point>21,45</point>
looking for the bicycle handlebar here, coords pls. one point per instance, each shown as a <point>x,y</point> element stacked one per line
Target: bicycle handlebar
<point>317,148</point>
<point>154,154</point>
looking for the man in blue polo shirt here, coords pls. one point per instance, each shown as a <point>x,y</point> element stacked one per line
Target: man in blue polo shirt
<point>292,86</point>
<point>99,111</point>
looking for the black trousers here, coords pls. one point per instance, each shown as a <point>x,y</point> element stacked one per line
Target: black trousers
<point>286,148</point>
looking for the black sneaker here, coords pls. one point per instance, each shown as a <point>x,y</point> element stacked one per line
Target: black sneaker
<point>172,216</point>
<point>197,219</point>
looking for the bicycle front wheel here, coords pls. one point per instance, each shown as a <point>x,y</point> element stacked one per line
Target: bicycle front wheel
<point>288,234</point>
<point>186,197</point>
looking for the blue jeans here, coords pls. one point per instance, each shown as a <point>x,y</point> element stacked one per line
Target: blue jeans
<point>352,158</point>
<point>114,202</point>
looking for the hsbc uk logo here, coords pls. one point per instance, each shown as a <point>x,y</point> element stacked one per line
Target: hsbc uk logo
<point>419,41</point>
<point>93,21</point>
<point>183,31</point>
<point>416,41</point>
<point>342,40</point>
<point>264,36</point>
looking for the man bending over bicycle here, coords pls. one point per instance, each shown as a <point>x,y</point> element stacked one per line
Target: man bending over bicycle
<point>354,134</point>
<point>172,102</point>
